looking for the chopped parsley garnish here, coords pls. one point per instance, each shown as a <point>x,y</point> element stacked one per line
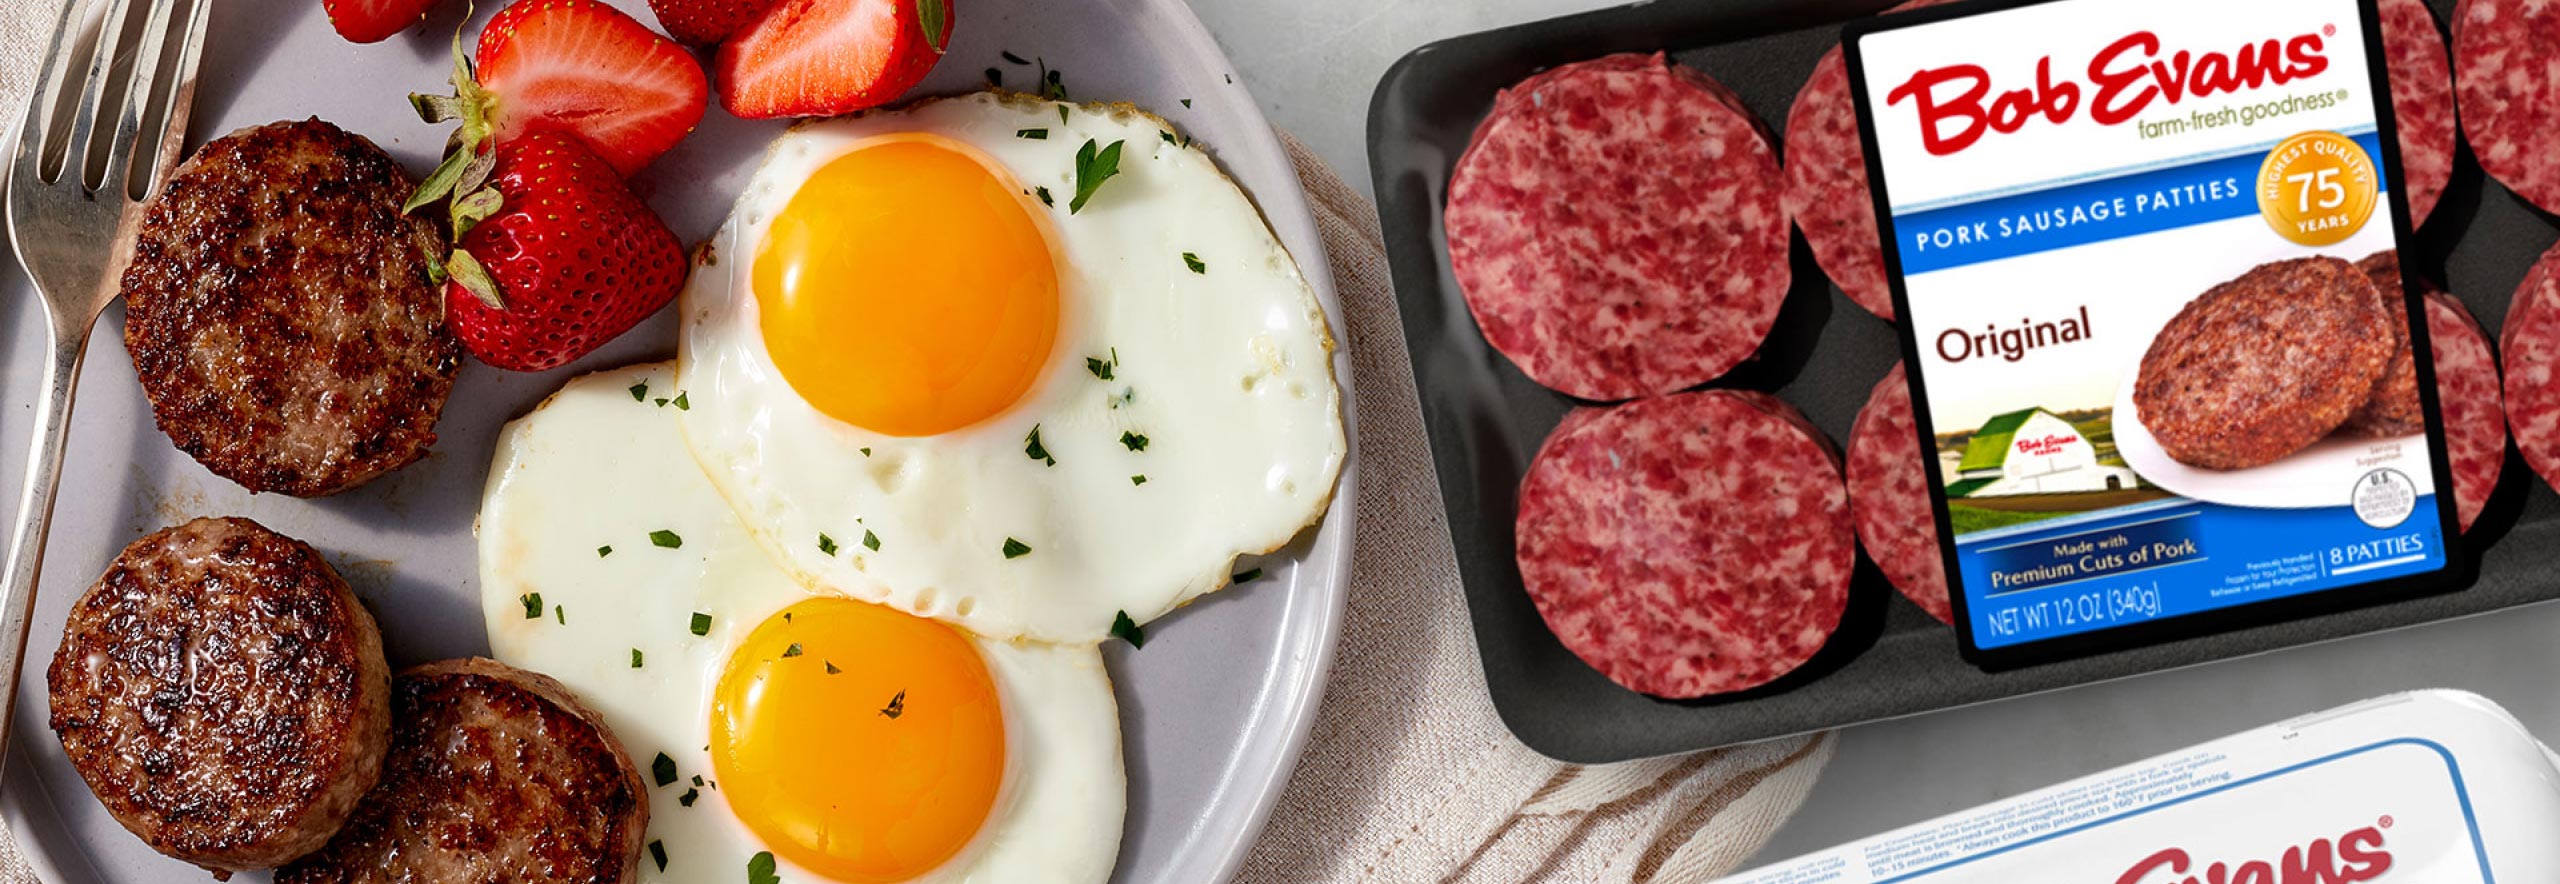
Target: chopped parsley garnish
<point>532,605</point>
<point>684,400</point>
<point>1015,549</point>
<point>1246,576</point>
<point>935,16</point>
<point>897,706</point>
<point>871,540</point>
<point>666,538</point>
<point>1062,114</point>
<point>1186,102</point>
<point>1032,448</point>
<point>1016,59</point>
<point>1101,369</point>
<point>1168,137</point>
<point>1045,198</point>
<point>663,769</point>
<point>662,401</point>
<point>995,78</point>
<point>635,658</point>
<point>1093,166</point>
<point>866,451</point>
<point>603,551</point>
<point>1039,134</point>
<point>760,869</point>
<point>832,670</point>
<point>640,391</point>
<point>561,613</point>
<point>1053,86</point>
<point>1140,479</point>
<point>1133,441</point>
<point>701,623</point>
<point>826,544</point>
<point>688,797</point>
<point>1126,396</point>
<point>658,853</point>
<point>697,779</point>
<point>792,651</point>
<point>1193,261</point>
<point>1127,630</point>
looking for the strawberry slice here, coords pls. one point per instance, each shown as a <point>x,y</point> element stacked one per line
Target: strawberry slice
<point>704,22</point>
<point>809,58</point>
<point>580,67</point>
<point>373,21</point>
<point>555,255</point>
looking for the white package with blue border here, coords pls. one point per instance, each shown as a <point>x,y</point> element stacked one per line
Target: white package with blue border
<point>2432,787</point>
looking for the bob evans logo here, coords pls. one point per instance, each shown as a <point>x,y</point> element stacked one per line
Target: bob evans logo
<point>1957,105</point>
<point>2046,445</point>
<point>2356,856</point>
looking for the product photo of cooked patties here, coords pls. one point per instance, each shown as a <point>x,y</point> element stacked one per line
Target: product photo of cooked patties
<point>2258,367</point>
<point>280,314</point>
<point>2393,408</point>
<point>224,694</point>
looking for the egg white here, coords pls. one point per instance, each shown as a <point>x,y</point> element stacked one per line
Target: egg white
<point>1226,372</point>
<point>594,467</point>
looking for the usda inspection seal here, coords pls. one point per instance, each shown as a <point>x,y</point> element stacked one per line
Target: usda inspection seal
<point>2385,497</point>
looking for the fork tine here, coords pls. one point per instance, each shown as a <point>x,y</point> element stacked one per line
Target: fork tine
<point>138,101</point>
<point>170,139</point>
<point>96,98</point>
<point>37,138</point>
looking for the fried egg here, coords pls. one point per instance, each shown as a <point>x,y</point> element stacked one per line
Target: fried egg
<point>852,742</point>
<point>1033,366</point>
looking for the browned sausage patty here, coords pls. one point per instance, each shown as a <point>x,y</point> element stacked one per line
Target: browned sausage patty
<point>2256,368</point>
<point>2393,408</point>
<point>495,775</point>
<point>224,694</point>
<point>279,313</point>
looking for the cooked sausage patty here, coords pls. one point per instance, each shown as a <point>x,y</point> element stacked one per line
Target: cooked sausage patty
<point>279,312</point>
<point>2393,408</point>
<point>2256,368</point>
<point>495,775</point>
<point>224,695</point>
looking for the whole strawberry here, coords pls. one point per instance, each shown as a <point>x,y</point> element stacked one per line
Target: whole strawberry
<point>555,256</point>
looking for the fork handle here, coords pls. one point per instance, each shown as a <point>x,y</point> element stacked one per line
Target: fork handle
<point>35,512</point>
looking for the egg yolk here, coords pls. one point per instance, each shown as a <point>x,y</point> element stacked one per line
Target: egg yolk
<point>857,741</point>
<point>907,288</point>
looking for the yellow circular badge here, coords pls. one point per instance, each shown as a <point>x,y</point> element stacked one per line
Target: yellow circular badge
<point>2318,188</point>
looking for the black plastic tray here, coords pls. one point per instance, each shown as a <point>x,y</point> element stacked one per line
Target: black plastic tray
<point>1888,659</point>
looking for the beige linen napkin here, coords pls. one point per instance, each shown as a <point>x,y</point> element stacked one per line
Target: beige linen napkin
<point>1409,777</point>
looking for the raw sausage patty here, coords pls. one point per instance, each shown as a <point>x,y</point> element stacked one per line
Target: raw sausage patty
<point>2475,422</point>
<point>495,774</point>
<point>223,693</point>
<point>2260,366</point>
<point>1889,494</point>
<point>1616,228</point>
<point>2506,76</point>
<point>1826,189</point>
<point>2421,102</point>
<point>1688,545</point>
<point>2530,345</point>
<point>279,313</point>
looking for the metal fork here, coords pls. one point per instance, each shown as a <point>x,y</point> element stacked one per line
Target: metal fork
<point>74,201</point>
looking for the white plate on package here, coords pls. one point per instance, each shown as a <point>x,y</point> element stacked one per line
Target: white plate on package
<point>1213,711</point>
<point>2302,480</point>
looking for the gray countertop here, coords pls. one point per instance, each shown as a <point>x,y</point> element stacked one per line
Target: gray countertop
<point>1313,64</point>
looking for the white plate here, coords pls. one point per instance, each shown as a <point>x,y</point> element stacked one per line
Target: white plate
<point>1213,711</point>
<point>2305,479</point>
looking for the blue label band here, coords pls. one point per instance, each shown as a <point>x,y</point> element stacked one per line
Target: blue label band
<point>2084,212</point>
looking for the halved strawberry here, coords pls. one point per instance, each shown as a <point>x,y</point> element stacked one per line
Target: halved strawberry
<point>808,58</point>
<point>704,22</point>
<point>554,254</point>
<point>580,67</point>
<point>373,21</point>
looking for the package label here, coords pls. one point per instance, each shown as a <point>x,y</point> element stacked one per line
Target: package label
<point>2148,265</point>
